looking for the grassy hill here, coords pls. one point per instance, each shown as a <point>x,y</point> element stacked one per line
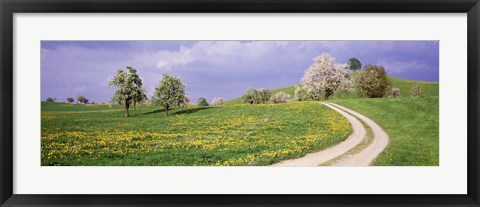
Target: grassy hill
<point>432,88</point>
<point>236,134</point>
<point>403,84</point>
<point>411,123</point>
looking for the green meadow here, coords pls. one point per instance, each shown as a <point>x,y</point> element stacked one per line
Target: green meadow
<point>236,134</point>
<point>410,122</point>
<point>92,135</point>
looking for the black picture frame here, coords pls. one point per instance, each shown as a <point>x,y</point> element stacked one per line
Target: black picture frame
<point>9,7</point>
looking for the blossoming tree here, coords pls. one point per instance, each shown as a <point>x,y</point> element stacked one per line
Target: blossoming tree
<point>326,77</point>
<point>169,93</point>
<point>129,89</point>
<point>217,101</point>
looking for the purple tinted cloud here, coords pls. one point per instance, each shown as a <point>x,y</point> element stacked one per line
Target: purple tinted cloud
<point>217,68</point>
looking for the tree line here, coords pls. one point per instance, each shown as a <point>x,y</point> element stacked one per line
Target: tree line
<point>80,100</point>
<point>325,77</point>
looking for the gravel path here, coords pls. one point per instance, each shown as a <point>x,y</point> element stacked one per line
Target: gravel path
<point>367,155</point>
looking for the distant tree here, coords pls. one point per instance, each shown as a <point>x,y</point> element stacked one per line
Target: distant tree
<point>50,99</point>
<point>417,89</point>
<point>70,100</point>
<point>326,77</point>
<point>217,101</point>
<point>169,93</point>
<point>82,100</point>
<point>256,96</point>
<point>354,64</point>
<point>372,82</point>
<point>202,102</point>
<point>281,97</point>
<point>129,89</point>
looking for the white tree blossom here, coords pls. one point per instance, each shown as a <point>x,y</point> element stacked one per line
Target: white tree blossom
<point>217,101</point>
<point>281,97</point>
<point>326,77</point>
<point>169,93</point>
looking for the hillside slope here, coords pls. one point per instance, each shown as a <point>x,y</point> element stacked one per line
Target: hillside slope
<point>412,124</point>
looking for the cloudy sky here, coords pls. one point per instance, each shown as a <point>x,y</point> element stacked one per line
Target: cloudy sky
<point>216,68</point>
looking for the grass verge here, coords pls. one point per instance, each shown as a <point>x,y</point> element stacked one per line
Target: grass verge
<point>411,123</point>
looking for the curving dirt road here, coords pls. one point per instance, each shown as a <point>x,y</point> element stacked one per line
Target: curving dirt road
<point>369,153</point>
<point>316,158</point>
<point>363,157</point>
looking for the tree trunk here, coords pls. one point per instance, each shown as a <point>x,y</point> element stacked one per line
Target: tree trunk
<point>166,110</point>
<point>135,106</point>
<point>328,94</point>
<point>126,110</point>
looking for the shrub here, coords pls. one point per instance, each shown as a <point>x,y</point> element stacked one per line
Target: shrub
<point>217,101</point>
<point>417,89</point>
<point>303,94</point>
<point>300,93</point>
<point>264,95</point>
<point>372,82</point>
<point>50,99</point>
<point>249,96</point>
<point>256,96</point>
<point>392,92</point>
<point>202,102</point>
<point>281,97</point>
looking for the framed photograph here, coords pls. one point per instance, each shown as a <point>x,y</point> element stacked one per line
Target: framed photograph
<point>239,103</point>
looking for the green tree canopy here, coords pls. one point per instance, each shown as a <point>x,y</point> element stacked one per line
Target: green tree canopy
<point>70,100</point>
<point>354,64</point>
<point>202,102</point>
<point>50,99</point>
<point>129,88</point>
<point>169,93</point>
<point>82,100</point>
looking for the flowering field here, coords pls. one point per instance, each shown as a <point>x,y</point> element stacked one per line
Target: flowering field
<point>242,135</point>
